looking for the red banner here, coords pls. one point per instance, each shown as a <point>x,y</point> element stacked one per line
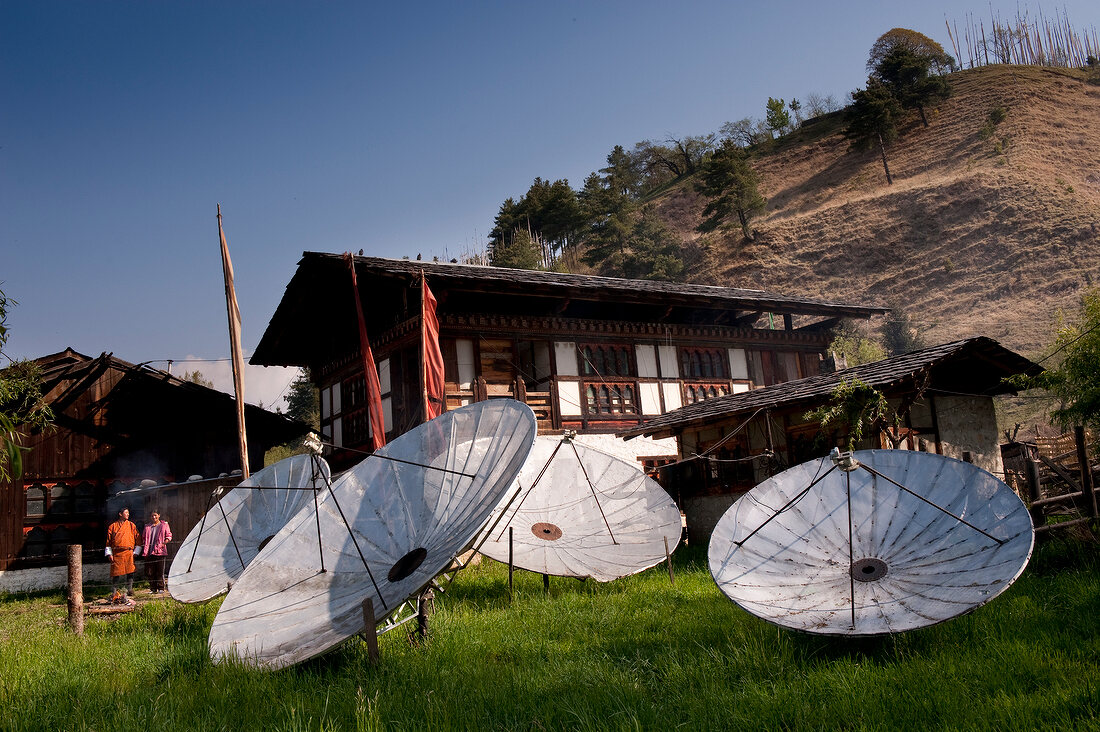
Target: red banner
<point>374,389</point>
<point>435,400</point>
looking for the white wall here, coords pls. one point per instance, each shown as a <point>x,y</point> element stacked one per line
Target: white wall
<point>969,424</point>
<point>647,361</point>
<point>569,398</point>
<point>565,356</point>
<point>464,355</point>
<point>51,578</point>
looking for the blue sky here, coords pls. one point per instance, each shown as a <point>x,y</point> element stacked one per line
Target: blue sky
<point>336,126</point>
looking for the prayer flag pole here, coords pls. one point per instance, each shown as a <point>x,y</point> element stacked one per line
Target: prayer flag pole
<point>234,313</point>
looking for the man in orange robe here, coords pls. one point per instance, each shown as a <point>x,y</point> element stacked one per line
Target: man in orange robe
<point>123,541</point>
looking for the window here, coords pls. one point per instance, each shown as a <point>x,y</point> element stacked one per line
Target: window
<point>703,363</point>
<point>606,360</point>
<point>610,399</point>
<point>36,500</point>
<point>701,392</point>
<point>344,412</point>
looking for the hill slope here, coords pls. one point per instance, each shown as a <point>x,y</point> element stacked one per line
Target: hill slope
<point>979,234</point>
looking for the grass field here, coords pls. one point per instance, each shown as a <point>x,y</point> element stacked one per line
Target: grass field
<point>639,653</point>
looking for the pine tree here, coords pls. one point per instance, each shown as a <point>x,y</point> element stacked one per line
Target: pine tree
<point>731,184</point>
<point>873,119</point>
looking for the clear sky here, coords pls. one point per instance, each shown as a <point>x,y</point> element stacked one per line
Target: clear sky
<point>329,126</point>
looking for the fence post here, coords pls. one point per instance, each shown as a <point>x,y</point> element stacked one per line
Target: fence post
<point>1086,470</point>
<point>1034,492</point>
<point>371,632</point>
<point>423,604</point>
<point>76,588</point>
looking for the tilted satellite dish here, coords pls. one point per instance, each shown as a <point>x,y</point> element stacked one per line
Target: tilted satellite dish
<point>580,512</point>
<point>385,529</point>
<point>239,525</point>
<point>887,541</point>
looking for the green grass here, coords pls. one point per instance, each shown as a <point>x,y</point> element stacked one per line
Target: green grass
<point>634,654</point>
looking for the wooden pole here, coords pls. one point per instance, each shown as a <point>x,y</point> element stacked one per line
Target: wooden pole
<point>76,589</point>
<point>668,559</point>
<point>511,562</point>
<point>423,604</point>
<point>1086,470</point>
<point>1034,492</point>
<point>371,632</point>
<point>234,314</point>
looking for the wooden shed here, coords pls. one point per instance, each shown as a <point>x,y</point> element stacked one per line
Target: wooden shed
<point>726,446</point>
<point>117,424</point>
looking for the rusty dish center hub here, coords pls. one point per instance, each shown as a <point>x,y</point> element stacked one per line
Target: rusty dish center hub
<point>869,569</point>
<point>549,532</point>
<point>407,564</point>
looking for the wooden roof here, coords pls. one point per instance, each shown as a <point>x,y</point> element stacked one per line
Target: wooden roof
<point>974,366</point>
<point>140,391</point>
<point>316,311</point>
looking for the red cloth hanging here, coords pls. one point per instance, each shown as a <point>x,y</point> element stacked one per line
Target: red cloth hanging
<point>374,389</point>
<point>435,400</point>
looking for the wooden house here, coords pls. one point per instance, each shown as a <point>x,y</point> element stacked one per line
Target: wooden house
<point>591,354</point>
<point>944,396</point>
<point>117,425</point>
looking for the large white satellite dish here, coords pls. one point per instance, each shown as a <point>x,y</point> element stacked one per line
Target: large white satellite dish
<point>890,541</point>
<point>388,527</point>
<point>239,525</point>
<point>580,512</point>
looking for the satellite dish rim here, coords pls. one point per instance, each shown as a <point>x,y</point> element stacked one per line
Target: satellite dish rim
<point>999,589</point>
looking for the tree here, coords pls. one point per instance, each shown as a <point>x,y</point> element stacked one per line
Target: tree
<point>899,335</point>
<point>655,252</point>
<point>731,184</point>
<point>796,108</point>
<point>1075,380</point>
<point>624,172</point>
<point>22,408</point>
<point>518,251</point>
<point>873,119</point>
<point>303,403</point>
<point>854,346</point>
<point>680,156</point>
<point>819,104</point>
<point>777,119</point>
<point>908,76</point>
<point>196,377</point>
<point>745,132</point>
<point>856,407</point>
<point>912,41</point>
<point>609,214</point>
<point>547,218</point>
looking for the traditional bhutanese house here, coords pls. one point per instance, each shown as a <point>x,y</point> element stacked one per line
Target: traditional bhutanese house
<point>117,425</point>
<point>727,445</point>
<point>591,354</point>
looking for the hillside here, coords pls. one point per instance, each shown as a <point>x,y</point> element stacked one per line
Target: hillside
<point>979,234</point>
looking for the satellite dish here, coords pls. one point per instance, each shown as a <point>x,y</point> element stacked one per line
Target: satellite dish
<point>387,527</point>
<point>883,542</point>
<point>235,529</point>
<point>580,512</point>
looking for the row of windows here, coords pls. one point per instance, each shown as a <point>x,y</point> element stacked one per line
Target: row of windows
<point>39,543</point>
<point>609,360</point>
<point>610,399</point>
<point>60,499</point>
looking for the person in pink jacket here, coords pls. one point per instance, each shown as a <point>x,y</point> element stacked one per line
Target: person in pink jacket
<point>155,539</point>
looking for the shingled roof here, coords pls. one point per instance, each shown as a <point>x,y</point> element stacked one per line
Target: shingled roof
<point>574,285</point>
<point>318,301</point>
<point>983,363</point>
